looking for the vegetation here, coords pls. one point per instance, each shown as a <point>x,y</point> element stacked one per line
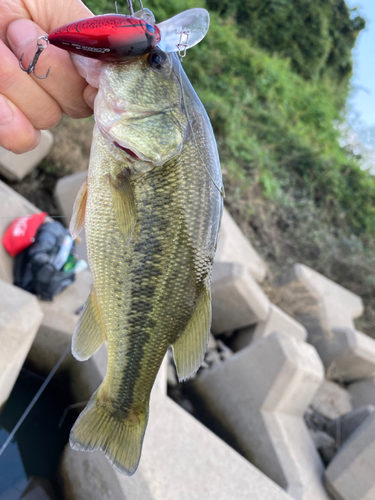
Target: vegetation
<point>273,76</point>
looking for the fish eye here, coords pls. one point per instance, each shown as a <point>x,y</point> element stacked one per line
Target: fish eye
<point>157,59</point>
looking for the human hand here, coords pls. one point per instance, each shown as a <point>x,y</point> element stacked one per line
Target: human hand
<point>28,105</point>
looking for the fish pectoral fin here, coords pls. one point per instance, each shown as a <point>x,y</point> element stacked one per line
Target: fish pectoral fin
<point>89,334</point>
<point>79,208</point>
<point>189,349</point>
<point>123,204</point>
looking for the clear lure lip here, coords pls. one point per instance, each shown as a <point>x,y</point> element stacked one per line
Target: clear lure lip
<point>184,30</point>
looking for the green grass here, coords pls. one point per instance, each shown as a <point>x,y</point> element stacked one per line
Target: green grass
<point>296,192</point>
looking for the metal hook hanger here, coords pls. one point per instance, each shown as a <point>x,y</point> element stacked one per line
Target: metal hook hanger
<point>31,68</point>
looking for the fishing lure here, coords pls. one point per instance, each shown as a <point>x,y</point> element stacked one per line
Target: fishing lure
<point>116,37</point>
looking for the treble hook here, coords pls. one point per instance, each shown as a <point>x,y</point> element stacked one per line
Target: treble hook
<point>31,68</point>
<point>130,4</point>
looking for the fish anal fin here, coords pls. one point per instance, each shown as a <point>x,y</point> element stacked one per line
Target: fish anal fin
<point>79,208</point>
<point>123,203</point>
<point>190,347</point>
<point>89,334</point>
<point>119,434</point>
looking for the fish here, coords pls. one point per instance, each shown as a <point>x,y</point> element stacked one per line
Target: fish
<point>151,207</point>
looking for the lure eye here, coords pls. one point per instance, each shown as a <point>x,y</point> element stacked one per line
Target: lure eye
<point>157,59</point>
<point>150,28</point>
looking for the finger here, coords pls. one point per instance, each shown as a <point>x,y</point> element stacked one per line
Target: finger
<point>16,132</point>
<point>37,105</point>
<point>63,83</point>
<point>89,95</point>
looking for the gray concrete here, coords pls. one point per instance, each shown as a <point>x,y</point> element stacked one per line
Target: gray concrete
<point>259,395</point>
<point>15,167</point>
<point>65,194</point>
<point>20,317</point>
<point>88,476</point>
<point>331,400</point>
<point>233,246</point>
<point>348,356</point>
<point>278,321</point>
<point>181,458</point>
<point>237,299</point>
<point>322,306</point>
<point>342,427</point>
<point>350,475</point>
<point>362,392</point>
<point>317,302</point>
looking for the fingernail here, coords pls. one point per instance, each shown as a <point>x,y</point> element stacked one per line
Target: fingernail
<point>6,112</point>
<point>21,32</point>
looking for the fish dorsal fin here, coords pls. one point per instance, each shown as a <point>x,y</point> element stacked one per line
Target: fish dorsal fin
<point>79,208</point>
<point>123,204</point>
<point>189,349</point>
<point>89,333</point>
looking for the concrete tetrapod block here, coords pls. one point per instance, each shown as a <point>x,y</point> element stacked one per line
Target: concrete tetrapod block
<point>259,396</point>
<point>88,476</point>
<point>331,400</point>
<point>12,205</point>
<point>278,321</point>
<point>233,246</point>
<point>15,167</point>
<point>317,303</point>
<point>237,300</point>
<point>66,191</point>
<point>362,392</point>
<point>20,317</point>
<point>349,355</point>
<point>350,475</point>
<point>181,459</point>
<point>65,194</point>
<point>342,427</point>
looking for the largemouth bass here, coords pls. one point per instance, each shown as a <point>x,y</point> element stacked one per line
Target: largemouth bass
<point>151,207</point>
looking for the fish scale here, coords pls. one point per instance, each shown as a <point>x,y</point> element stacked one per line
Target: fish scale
<point>152,285</point>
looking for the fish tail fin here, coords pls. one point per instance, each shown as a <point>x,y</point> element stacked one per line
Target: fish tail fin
<point>118,434</point>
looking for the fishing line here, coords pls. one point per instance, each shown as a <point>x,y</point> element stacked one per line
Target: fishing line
<point>179,78</point>
<point>67,409</point>
<point>34,400</point>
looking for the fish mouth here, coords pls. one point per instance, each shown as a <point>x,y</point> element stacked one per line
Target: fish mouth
<point>128,151</point>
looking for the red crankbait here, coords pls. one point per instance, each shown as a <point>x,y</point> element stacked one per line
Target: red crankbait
<point>116,37</point>
<point>109,37</point>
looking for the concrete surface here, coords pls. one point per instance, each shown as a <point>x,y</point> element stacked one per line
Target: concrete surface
<point>237,299</point>
<point>349,355</point>
<point>317,302</point>
<point>233,246</point>
<point>350,475</point>
<point>20,317</point>
<point>331,400</point>
<point>278,321</point>
<point>16,166</point>
<point>362,392</point>
<point>259,396</point>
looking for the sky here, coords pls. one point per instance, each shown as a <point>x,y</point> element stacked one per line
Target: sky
<point>362,100</point>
